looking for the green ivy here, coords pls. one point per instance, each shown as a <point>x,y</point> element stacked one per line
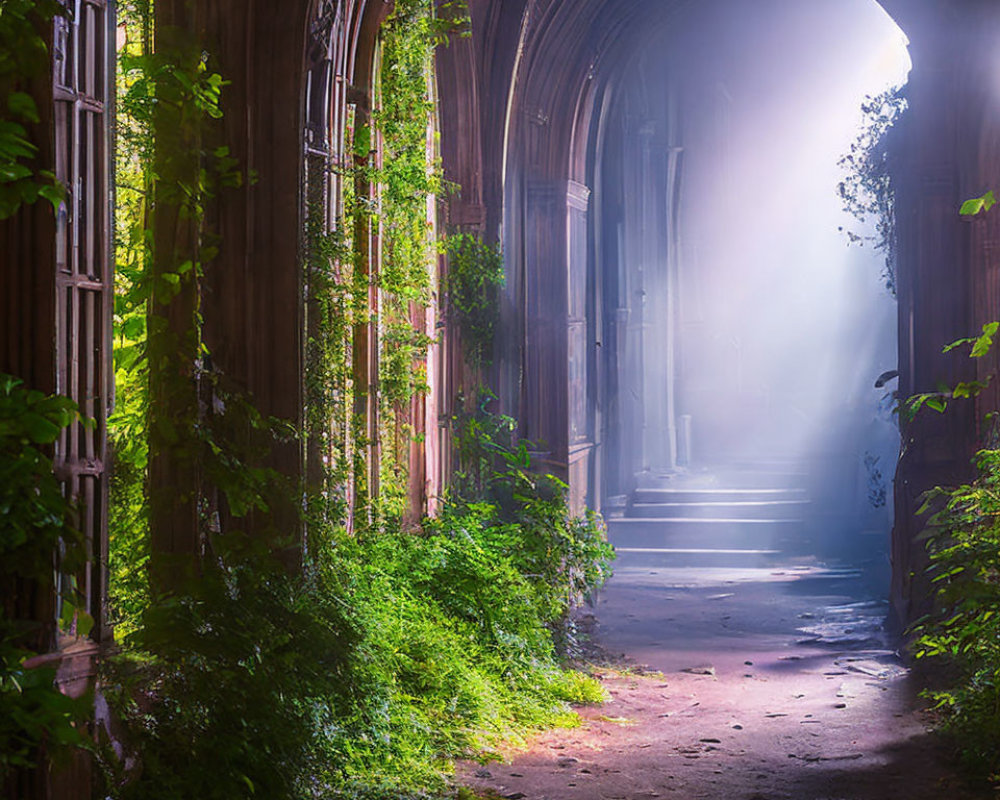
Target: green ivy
<point>475,275</point>
<point>364,672</point>
<point>37,524</point>
<point>407,177</point>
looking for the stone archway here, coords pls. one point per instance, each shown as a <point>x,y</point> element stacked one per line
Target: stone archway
<point>552,67</point>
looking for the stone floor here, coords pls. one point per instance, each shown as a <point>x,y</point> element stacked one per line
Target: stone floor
<point>749,683</point>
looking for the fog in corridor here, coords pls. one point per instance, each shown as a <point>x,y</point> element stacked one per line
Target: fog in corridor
<point>778,329</point>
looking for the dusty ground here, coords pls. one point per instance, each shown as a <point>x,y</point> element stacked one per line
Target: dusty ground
<point>769,684</point>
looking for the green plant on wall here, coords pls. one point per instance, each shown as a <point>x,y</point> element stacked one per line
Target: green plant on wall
<point>963,540</point>
<point>23,57</point>
<point>409,178</point>
<point>382,654</point>
<point>331,310</point>
<point>37,524</point>
<point>475,275</point>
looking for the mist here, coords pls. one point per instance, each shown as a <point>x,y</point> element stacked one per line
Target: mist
<point>762,331</point>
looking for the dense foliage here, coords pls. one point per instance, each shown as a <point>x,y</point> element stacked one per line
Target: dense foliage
<point>964,629</point>
<point>475,275</point>
<point>388,655</point>
<point>37,524</point>
<point>383,654</point>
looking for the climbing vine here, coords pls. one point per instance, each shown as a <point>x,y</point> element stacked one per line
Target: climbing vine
<point>382,654</point>
<point>475,275</point>
<point>867,189</point>
<point>409,178</point>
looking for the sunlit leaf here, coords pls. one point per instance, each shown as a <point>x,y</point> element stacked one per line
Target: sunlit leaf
<point>976,205</point>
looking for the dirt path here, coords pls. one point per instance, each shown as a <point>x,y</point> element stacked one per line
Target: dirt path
<point>768,684</point>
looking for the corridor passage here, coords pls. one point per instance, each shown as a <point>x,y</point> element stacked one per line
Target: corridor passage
<point>739,683</point>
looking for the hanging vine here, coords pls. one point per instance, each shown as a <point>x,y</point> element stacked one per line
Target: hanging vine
<point>867,189</point>
<point>409,176</point>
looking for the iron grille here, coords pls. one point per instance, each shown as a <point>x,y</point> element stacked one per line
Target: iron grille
<point>83,77</point>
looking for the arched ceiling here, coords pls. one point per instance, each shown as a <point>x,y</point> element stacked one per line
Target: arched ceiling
<point>563,54</point>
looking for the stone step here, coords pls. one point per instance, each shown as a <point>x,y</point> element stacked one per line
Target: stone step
<point>763,478</point>
<point>639,557</point>
<point>705,534</point>
<point>768,464</point>
<point>715,509</point>
<point>727,478</point>
<point>717,495</point>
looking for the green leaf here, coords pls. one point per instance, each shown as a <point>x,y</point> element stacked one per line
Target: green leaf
<point>134,327</point>
<point>976,205</point>
<point>985,341</point>
<point>54,193</point>
<point>970,388</point>
<point>13,172</point>
<point>957,343</point>
<point>39,429</point>
<point>21,104</point>
<point>937,402</point>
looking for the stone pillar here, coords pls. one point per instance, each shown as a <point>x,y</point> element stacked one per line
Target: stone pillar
<point>581,433</point>
<point>935,161</point>
<point>544,390</point>
<point>660,176</point>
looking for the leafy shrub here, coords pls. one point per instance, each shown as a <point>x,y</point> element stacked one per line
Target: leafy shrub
<point>226,689</point>
<point>363,676</point>
<point>457,657</point>
<point>565,557</point>
<point>37,523</point>
<point>964,630</point>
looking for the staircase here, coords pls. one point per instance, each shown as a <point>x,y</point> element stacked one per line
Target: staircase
<point>740,515</point>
